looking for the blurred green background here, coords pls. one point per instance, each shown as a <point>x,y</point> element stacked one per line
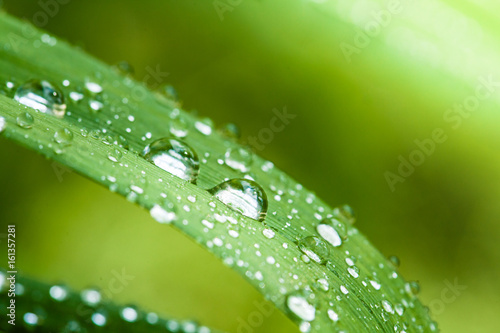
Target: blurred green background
<point>354,119</point>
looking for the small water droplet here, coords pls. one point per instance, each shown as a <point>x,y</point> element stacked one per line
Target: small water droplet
<point>326,230</point>
<point>204,126</point>
<point>25,120</point>
<point>125,68</point>
<point>413,288</point>
<point>166,213</point>
<point>129,314</point>
<point>173,156</point>
<point>394,260</point>
<point>238,159</point>
<point>314,248</point>
<point>179,127</point>
<point>169,92</point>
<point>375,285</point>
<point>30,319</point>
<point>333,315</point>
<point>115,155</point>
<point>268,233</point>
<point>42,96</point>
<point>387,306</point>
<point>59,293</point>
<point>399,309</point>
<point>345,213</point>
<point>63,136</point>
<point>243,195</point>
<point>231,130</point>
<point>99,318</point>
<point>354,271</point>
<point>75,96</point>
<point>93,87</point>
<point>323,284</point>
<point>91,297</point>
<point>300,307</point>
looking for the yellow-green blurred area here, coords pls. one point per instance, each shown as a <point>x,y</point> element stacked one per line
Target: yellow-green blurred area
<point>360,104</point>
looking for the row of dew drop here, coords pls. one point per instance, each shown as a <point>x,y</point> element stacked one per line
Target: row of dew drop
<point>84,310</point>
<point>173,155</point>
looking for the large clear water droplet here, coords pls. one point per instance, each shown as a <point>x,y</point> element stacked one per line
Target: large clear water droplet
<point>314,248</point>
<point>173,156</point>
<point>43,96</point>
<point>243,195</point>
<point>300,307</point>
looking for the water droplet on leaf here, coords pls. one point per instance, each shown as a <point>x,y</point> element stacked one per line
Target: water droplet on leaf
<point>314,248</point>
<point>243,195</point>
<point>25,120</point>
<point>173,156</point>
<point>63,136</point>
<point>238,159</point>
<point>42,96</point>
<point>300,307</point>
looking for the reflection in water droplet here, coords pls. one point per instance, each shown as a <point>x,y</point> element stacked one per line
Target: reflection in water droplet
<point>204,126</point>
<point>238,159</point>
<point>173,156</point>
<point>25,120</point>
<point>314,248</point>
<point>243,195</point>
<point>300,307</point>
<point>42,96</point>
<point>328,232</point>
